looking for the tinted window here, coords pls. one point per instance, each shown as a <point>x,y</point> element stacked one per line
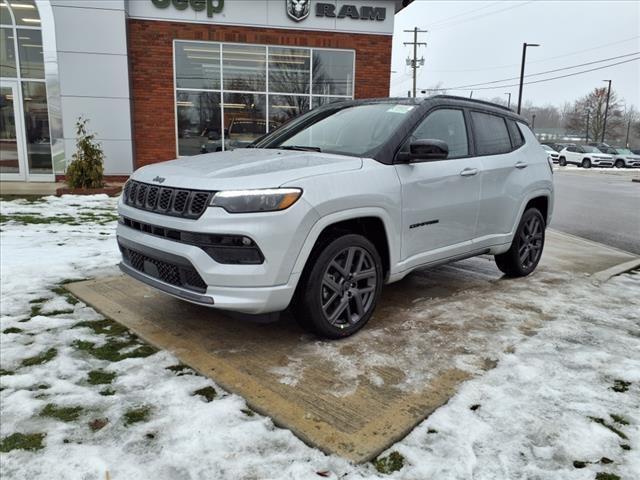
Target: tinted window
<point>571,149</point>
<point>446,125</point>
<point>517,140</point>
<point>491,134</point>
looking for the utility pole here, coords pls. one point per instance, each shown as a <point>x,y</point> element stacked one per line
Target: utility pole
<point>414,62</point>
<point>524,57</point>
<point>586,134</point>
<point>509,102</point>
<point>626,143</point>
<point>533,123</point>
<point>471,94</point>
<point>606,111</point>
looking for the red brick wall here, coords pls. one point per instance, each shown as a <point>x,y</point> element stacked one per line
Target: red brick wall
<point>151,71</point>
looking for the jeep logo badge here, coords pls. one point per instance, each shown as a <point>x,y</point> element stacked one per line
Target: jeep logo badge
<point>159,179</point>
<point>298,9</point>
<point>198,5</point>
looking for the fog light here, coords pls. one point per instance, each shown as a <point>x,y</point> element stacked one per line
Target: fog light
<point>246,241</point>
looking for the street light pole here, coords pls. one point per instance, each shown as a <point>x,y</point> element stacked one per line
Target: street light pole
<point>626,143</point>
<point>509,101</point>
<point>586,136</point>
<point>606,110</point>
<point>533,123</point>
<point>524,57</point>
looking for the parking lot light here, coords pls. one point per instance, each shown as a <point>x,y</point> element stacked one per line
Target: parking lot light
<point>524,57</point>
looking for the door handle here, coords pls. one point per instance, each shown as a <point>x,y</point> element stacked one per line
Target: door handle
<point>521,165</point>
<point>469,172</point>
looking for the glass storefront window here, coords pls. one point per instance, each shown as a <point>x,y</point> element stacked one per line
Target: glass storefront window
<point>36,119</point>
<point>244,68</point>
<point>26,13</point>
<point>8,136</point>
<point>7,53</point>
<point>289,70</point>
<point>199,123</point>
<point>332,72</point>
<point>283,108</point>
<point>320,101</point>
<point>198,65</point>
<point>244,118</point>
<point>5,15</point>
<point>30,52</point>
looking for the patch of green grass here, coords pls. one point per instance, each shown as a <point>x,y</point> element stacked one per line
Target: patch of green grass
<point>602,422</point>
<point>620,386</point>
<point>104,327</point>
<point>71,280</point>
<point>4,372</point>
<point>26,198</point>
<point>389,464</point>
<point>247,412</point>
<point>208,393</point>
<point>44,357</point>
<point>619,419</point>
<point>31,219</point>
<point>579,464</point>
<point>180,369</point>
<point>12,330</point>
<point>65,414</point>
<point>606,460</point>
<point>606,476</point>
<point>137,415</point>
<point>112,350</point>
<point>22,441</point>
<point>53,313</point>
<point>625,446</point>
<point>107,392</point>
<point>100,377</point>
<point>39,300</point>
<point>431,431</point>
<point>59,290</point>
<point>35,310</point>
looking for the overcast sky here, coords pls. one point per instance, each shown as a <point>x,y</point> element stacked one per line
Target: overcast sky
<point>471,42</point>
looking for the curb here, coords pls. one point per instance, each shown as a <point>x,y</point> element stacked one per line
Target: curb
<point>606,275</point>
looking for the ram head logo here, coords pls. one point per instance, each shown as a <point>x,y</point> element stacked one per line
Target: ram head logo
<point>298,9</point>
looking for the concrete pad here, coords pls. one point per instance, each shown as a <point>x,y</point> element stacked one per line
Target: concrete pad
<point>355,397</point>
<point>29,188</point>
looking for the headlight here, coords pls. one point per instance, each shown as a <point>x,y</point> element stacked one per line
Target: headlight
<point>251,201</point>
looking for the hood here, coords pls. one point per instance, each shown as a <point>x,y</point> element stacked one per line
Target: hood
<point>245,168</point>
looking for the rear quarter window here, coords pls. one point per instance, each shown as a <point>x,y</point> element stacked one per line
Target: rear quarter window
<point>490,133</point>
<point>517,140</point>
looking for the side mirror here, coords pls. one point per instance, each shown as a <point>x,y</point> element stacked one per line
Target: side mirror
<point>428,150</point>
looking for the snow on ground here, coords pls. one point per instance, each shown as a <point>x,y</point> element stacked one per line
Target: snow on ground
<point>89,398</point>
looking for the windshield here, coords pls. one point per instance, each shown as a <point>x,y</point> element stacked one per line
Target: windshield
<point>624,151</point>
<point>546,147</point>
<point>353,130</point>
<point>589,149</point>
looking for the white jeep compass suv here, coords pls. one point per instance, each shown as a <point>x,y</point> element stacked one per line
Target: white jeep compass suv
<point>323,211</point>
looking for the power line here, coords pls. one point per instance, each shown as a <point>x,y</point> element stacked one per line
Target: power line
<point>538,81</point>
<point>454,23</point>
<point>463,14</point>
<point>548,71</point>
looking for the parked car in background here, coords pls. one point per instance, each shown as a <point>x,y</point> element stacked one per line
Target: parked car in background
<point>323,211</point>
<point>559,146</point>
<point>623,158</point>
<point>553,154</point>
<point>584,156</point>
<point>635,151</point>
<point>603,147</point>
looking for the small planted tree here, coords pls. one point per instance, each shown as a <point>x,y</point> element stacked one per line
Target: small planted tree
<point>86,170</point>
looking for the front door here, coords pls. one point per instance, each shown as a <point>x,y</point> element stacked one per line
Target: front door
<point>439,198</point>
<point>12,155</point>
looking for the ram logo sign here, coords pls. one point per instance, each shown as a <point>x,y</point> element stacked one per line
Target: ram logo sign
<point>298,9</point>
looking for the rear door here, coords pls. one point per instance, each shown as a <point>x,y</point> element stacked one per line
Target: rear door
<point>499,141</point>
<point>439,198</point>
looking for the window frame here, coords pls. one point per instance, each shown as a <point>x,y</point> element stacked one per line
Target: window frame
<point>466,119</point>
<point>310,95</point>
<point>475,140</point>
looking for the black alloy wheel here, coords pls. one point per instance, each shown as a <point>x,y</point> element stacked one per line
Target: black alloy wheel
<point>586,163</point>
<point>562,162</point>
<point>526,249</point>
<point>620,163</point>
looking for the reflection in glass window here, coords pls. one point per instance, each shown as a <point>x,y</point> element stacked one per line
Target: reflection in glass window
<point>244,118</point>
<point>36,120</point>
<point>319,101</point>
<point>30,53</point>
<point>446,125</point>
<point>5,16</point>
<point>26,13</point>
<point>199,123</point>
<point>7,53</point>
<point>283,108</point>
<point>332,72</point>
<point>491,134</point>
<point>198,65</point>
<point>244,67</point>
<point>8,137</point>
<point>289,70</point>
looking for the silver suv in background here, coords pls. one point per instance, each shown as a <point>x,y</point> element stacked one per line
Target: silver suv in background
<point>320,213</point>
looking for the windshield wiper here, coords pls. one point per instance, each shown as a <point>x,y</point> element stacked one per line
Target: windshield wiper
<point>302,148</point>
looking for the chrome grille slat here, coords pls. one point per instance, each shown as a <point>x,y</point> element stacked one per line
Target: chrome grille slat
<point>177,202</point>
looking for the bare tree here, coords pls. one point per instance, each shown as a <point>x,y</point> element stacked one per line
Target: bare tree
<point>593,106</point>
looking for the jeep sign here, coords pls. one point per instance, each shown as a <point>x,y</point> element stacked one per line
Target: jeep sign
<point>211,6</point>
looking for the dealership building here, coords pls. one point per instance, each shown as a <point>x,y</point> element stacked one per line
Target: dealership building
<point>161,79</point>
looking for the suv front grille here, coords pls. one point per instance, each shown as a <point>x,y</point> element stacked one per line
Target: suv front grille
<point>176,202</point>
<point>178,275</point>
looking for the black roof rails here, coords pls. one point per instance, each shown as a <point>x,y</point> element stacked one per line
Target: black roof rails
<point>482,102</point>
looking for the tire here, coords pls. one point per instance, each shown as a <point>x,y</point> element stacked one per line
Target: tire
<point>328,301</point>
<point>526,249</point>
<point>562,162</point>
<point>586,163</point>
<point>620,164</point>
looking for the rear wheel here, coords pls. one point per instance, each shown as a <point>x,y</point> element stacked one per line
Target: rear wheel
<point>340,287</point>
<point>526,249</point>
<point>586,163</point>
<point>620,164</point>
<point>562,162</point>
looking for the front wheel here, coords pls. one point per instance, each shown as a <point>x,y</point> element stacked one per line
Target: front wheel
<point>586,163</point>
<point>526,249</point>
<point>562,162</point>
<point>338,292</point>
<point>620,164</point>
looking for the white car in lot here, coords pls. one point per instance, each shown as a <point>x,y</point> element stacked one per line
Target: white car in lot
<point>321,212</point>
<point>624,158</point>
<point>584,156</point>
<point>551,152</point>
